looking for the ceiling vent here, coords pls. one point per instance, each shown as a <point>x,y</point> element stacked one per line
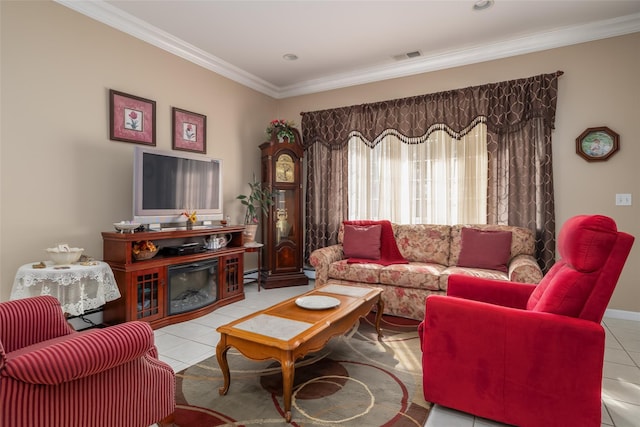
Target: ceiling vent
<point>407,55</point>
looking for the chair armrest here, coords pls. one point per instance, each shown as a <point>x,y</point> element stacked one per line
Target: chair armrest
<point>80,354</point>
<point>28,321</point>
<point>525,269</point>
<point>499,292</point>
<point>322,258</point>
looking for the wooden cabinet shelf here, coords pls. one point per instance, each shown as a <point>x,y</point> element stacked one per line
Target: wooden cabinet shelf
<point>145,284</point>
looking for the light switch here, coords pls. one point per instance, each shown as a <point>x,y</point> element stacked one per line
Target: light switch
<point>623,199</point>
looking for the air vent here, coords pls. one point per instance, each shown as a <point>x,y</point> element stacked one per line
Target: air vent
<point>407,55</point>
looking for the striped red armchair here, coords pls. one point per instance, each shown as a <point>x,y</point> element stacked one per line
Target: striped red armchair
<point>52,376</point>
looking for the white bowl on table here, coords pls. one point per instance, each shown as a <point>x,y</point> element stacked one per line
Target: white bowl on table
<point>63,256</point>
<point>126,226</point>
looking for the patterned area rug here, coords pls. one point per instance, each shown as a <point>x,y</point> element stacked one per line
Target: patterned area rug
<point>355,380</point>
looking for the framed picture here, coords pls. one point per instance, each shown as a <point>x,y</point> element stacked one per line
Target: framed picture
<point>189,131</point>
<point>131,118</point>
<point>595,144</point>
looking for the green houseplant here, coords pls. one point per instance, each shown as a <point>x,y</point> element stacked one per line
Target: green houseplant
<point>258,199</point>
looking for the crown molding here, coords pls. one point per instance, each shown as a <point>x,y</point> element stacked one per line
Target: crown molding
<point>114,17</point>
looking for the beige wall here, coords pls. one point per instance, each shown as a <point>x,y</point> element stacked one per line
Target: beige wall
<point>63,179</point>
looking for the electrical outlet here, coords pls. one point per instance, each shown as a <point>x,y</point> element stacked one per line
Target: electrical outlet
<point>623,199</point>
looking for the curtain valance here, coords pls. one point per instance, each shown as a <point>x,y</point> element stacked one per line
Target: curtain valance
<point>505,106</point>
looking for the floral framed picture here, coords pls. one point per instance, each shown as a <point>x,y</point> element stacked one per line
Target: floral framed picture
<point>189,131</point>
<point>595,144</point>
<point>131,118</point>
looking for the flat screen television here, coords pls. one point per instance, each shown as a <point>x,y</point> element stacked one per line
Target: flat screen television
<point>168,183</point>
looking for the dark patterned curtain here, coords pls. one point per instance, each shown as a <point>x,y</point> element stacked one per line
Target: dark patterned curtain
<point>519,114</point>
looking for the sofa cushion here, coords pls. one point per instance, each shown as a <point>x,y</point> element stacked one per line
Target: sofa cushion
<point>486,249</point>
<point>389,253</point>
<point>522,239</point>
<point>466,271</point>
<point>413,275</point>
<point>426,243</point>
<point>361,272</point>
<point>362,241</point>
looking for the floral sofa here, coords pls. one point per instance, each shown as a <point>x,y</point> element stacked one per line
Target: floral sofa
<point>432,253</point>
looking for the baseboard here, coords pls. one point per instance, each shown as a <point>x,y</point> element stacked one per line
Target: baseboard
<point>622,314</point>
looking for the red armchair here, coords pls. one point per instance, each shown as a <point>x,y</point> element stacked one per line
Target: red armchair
<point>523,354</point>
<point>52,376</point>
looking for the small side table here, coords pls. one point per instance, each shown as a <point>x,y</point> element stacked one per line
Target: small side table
<point>256,247</point>
<point>79,288</point>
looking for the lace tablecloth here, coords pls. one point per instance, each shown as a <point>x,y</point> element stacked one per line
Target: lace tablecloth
<point>79,288</point>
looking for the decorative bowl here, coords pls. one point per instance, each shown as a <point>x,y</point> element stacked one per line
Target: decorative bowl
<point>61,256</point>
<point>144,249</point>
<point>142,255</point>
<point>126,226</point>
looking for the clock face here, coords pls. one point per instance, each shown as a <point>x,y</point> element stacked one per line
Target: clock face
<point>285,168</point>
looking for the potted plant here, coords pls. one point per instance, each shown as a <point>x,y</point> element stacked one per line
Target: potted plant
<point>282,129</point>
<point>259,199</point>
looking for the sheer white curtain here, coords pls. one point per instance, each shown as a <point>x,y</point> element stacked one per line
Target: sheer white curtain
<point>436,180</point>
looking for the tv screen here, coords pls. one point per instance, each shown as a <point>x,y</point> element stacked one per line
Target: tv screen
<point>167,183</point>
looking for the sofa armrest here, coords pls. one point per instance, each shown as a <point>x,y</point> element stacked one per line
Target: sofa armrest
<point>525,269</point>
<point>499,292</point>
<point>322,258</point>
<point>80,354</point>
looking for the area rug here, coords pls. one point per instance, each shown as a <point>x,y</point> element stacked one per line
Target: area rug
<point>355,380</point>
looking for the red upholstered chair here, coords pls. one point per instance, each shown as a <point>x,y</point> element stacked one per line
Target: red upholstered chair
<point>523,354</point>
<point>53,376</point>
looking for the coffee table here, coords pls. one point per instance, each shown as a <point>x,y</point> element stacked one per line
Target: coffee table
<point>287,332</point>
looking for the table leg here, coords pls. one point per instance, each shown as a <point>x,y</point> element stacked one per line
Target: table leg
<point>288,370</point>
<point>379,315</point>
<point>221,355</point>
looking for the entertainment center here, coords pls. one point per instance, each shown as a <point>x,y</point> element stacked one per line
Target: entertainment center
<point>174,286</point>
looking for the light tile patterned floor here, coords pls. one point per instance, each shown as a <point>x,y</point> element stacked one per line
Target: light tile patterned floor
<point>184,344</point>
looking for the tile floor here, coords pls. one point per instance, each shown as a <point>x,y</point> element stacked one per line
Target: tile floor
<point>184,344</point>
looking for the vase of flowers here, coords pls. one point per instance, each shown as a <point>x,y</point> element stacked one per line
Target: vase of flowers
<point>192,217</point>
<point>258,199</point>
<point>282,129</point>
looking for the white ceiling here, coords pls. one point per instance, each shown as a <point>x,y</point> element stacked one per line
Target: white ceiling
<point>344,43</point>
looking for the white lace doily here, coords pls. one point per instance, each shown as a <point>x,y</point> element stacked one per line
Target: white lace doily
<point>79,288</point>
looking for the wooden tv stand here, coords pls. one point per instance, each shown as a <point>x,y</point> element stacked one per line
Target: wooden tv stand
<point>144,285</point>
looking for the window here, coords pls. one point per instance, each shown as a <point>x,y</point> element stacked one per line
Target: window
<point>435,179</point>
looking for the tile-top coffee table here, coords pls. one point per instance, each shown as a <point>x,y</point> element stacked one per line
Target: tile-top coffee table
<point>287,332</point>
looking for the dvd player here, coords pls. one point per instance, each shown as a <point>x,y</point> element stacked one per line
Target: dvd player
<point>184,249</point>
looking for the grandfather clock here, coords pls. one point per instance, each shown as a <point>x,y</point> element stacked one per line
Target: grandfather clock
<point>282,259</point>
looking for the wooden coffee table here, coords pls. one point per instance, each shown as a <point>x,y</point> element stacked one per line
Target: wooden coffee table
<point>286,332</point>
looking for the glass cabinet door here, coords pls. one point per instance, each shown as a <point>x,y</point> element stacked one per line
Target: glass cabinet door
<point>285,213</point>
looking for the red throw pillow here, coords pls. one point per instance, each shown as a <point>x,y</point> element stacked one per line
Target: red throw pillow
<point>488,249</point>
<point>361,241</point>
